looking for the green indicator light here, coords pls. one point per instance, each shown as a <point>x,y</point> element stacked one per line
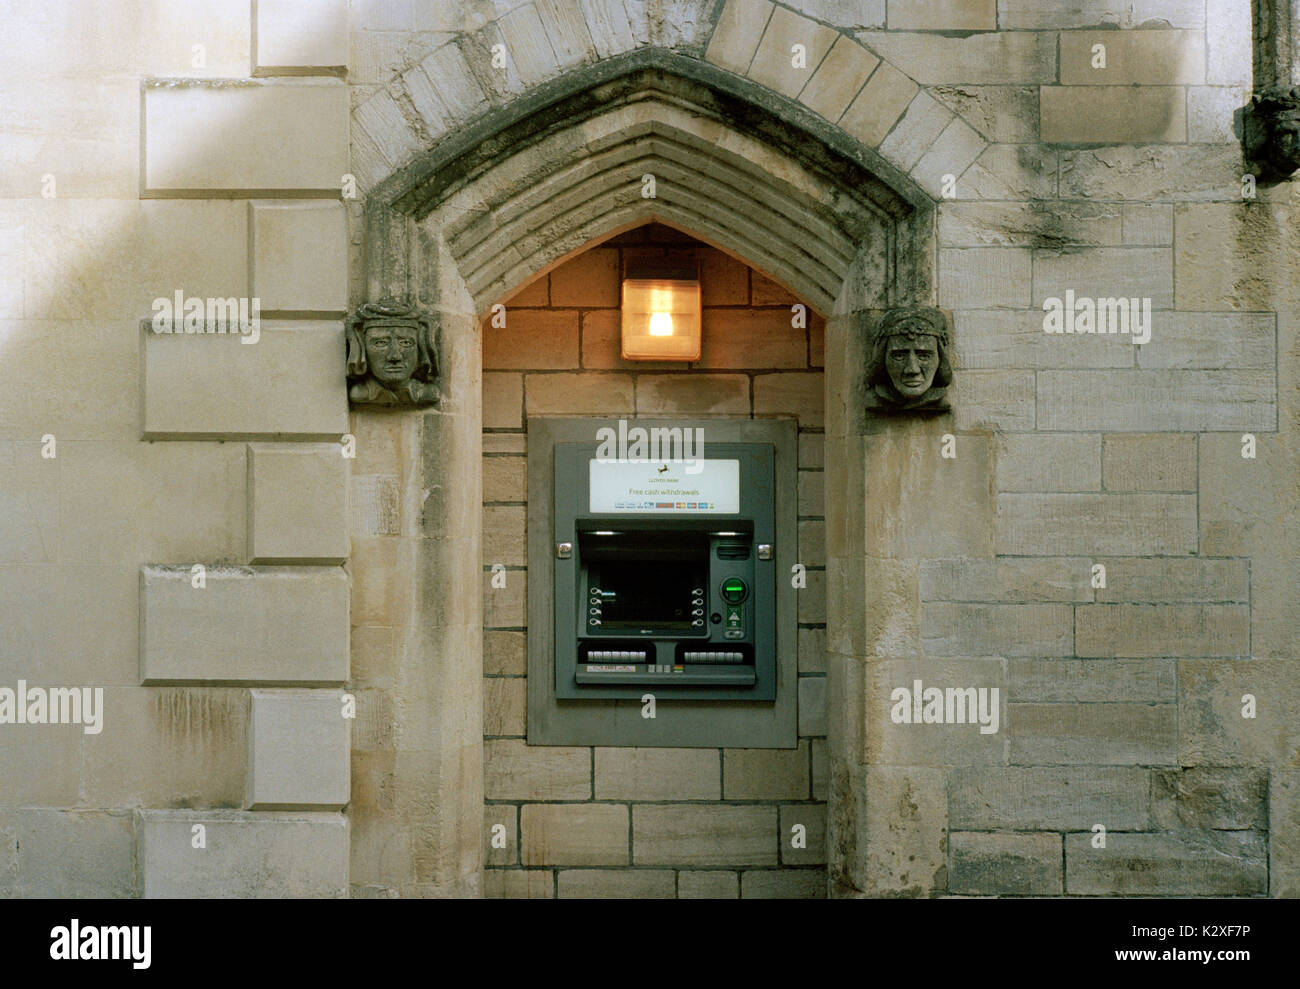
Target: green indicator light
<point>734,590</point>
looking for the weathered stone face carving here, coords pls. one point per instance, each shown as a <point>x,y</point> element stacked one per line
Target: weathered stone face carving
<point>391,357</point>
<point>908,369</point>
<point>1272,133</point>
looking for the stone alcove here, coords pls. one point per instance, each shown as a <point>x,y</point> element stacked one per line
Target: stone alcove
<point>490,208</point>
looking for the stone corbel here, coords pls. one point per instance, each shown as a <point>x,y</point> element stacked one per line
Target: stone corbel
<point>908,369</point>
<point>392,355</point>
<point>1271,125</point>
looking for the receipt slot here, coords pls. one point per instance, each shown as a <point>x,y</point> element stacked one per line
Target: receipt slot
<point>662,578</point>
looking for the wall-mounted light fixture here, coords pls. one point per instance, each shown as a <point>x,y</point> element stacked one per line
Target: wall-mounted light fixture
<point>661,311</point>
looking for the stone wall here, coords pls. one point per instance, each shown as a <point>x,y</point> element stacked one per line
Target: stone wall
<point>584,821</point>
<point>977,154</point>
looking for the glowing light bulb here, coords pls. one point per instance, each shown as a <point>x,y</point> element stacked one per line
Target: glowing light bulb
<point>661,324</point>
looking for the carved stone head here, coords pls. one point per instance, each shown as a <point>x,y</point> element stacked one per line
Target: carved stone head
<point>390,355</point>
<point>1272,133</point>
<point>908,369</point>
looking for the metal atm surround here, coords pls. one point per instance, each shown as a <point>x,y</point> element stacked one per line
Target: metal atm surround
<point>751,703</point>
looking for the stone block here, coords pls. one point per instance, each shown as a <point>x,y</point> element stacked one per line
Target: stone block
<point>1211,863</point>
<point>1011,171</point>
<point>774,61</point>
<point>1032,224</point>
<point>985,278</point>
<point>952,152</point>
<point>812,650</point>
<point>1088,681</point>
<point>299,35</point>
<point>290,137</point>
<point>505,479</point>
<point>1149,462</point>
<point>943,15</point>
<point>500,824</point>
<point>875,110</point>
<point>514,770</point>
<point>579,394</point>
<point>505,703</point>
<point>783,884</point>
<point>574,834</point>
<point>527,46</point>
<point>1112,114</point>
<point>271,625</point>
<point>566,29</point>
<point>504,653</point>
<point>1284,833</point>
<point>1006,580</point>
<point>1212,113</point>
<point>812,706</point>
<point>1158,581</point>
<point>1006,114</point>
<point>1133,58</point>
<point>1156,401</point>
<point>503,401</point>
<point>658,774</point>
<point>812,501</point>
<point>1004,864</point>
<point>1034,15</point>
<point>533,339</point>
<point>765,774</point>
<point>67,854</point>
<point>214,386</point>
<point>1049,462</point>
<point>298,259</point>
<point>791,393</point>
<point>961,740</point>
<point>990,339</point>
<point>1179,630</point>
<point>700,884</point>
<point>751,338</point>
<point>1229,51</point>
<point>924,120</point>
<point>299,746</point>
<point>1049,799</point>
<point>610,27</point>
<point>812,537</point>
<point>1147,174</point>
<point>1106,272</point>
<point>458,92</point>
<point>1093,734</point>
<point>1207,798</point>
<point>1148,225</point>
<point>1212,341</point>
<point>274,855</point>
<point>838,79</point>
<point>1213,729</point>
<point>740,28</point>
<point>995,401</point>
<point>505,535</point>
<point>611,884</point>
<point>713,836</point>
<point>690,394</point>
<point>164,747</point>
<point>297,503</point>
<point>949,629</point>
<point>902,814</point>
<point>590,280</point>
<point>1086,524</point>
<point>957,489</point>
<point>1221,251</point>
<point>518,884</point>
<point>987,58</point>
<point>811,848</point>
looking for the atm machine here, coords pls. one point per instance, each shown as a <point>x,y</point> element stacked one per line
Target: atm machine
<point>662,577</point>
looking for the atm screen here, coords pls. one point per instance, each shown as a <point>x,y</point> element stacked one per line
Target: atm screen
<point>639,594</point>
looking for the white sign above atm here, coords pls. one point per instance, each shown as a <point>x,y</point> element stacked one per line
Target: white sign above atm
<point>664,487</point>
